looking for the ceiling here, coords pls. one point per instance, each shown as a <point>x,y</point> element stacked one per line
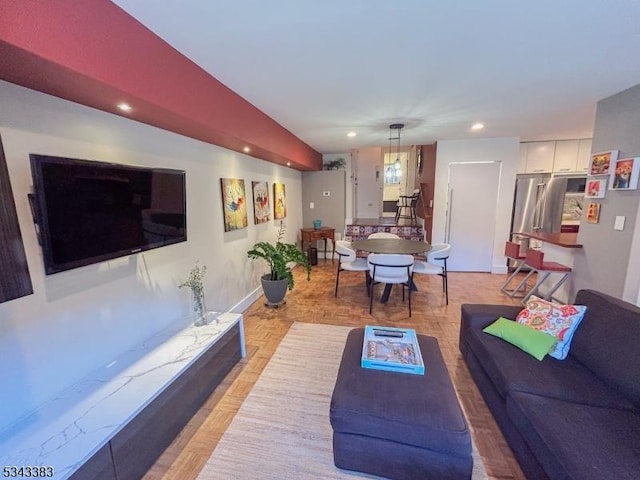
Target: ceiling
<point>323,68</point>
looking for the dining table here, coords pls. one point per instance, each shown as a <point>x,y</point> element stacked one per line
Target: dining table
<point>398,246</point>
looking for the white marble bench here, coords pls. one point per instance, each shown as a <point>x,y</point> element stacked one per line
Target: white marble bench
<point>70,428</point>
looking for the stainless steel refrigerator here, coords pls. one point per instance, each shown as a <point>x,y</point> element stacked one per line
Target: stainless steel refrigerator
<point>546,204</point>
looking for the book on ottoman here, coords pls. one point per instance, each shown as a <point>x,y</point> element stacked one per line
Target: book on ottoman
<point>392,349</point>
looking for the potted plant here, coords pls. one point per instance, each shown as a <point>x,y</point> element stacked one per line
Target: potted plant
<point>279,257</point>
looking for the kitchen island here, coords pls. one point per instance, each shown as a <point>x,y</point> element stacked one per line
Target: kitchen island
<point>564,240</point>
<point>557,247</point>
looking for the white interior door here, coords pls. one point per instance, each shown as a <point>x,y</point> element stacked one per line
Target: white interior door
<point>471,215</point>
<point>369,183</point>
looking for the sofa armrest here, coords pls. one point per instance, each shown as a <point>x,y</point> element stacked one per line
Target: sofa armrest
<point>477,315</point>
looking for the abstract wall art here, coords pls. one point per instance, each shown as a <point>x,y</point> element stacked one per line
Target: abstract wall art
<point>261,210</point>
<point>234,204</point>
<point>279,201</point>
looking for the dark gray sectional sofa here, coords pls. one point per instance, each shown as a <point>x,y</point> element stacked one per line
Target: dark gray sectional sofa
<point>577,418</point>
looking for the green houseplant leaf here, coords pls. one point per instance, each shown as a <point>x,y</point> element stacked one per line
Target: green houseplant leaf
<point>279,256</point>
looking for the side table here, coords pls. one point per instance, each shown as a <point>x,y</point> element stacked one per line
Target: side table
<point>309,235</point>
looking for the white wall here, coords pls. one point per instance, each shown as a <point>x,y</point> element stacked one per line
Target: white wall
<point>81,319</point>
<point>609,260</point>
<point>504,150</point>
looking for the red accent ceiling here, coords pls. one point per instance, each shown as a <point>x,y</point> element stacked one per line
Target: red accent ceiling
<point>93,53</point>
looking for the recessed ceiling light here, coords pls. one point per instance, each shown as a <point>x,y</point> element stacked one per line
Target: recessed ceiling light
<point>477,126</point>
<point>351,134</point>
<point>246,149</point>
<point>125,107</point>
<point>288,164</point>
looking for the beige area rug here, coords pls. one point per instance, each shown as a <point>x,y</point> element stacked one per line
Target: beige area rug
<point>282,429</point>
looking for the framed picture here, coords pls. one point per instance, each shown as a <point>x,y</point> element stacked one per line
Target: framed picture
<point>261,210</point>
<point>279,201</point>
<point>595,188</point>
<point>624,174</point>
<point>234,204</point>
<point>600,163</point>
<point>593,213</point>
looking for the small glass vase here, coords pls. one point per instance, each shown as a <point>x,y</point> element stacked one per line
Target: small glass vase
<point>199,308</point>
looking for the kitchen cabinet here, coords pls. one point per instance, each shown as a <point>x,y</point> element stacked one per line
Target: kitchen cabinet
<point>566,156</point>
<point>560,156</point>
<point>540,157</point>
<point>521,166</point>
<point>584,155</point>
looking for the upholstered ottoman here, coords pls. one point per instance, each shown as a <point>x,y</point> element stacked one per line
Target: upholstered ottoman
<point>398,425</point>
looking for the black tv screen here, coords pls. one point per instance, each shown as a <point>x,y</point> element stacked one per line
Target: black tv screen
<point>88,212</point>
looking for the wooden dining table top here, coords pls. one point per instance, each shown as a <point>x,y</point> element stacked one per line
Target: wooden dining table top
<point>391,245</point>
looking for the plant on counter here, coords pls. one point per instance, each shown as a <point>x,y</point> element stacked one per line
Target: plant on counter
<point>336,164</point>
<point>195,282</point>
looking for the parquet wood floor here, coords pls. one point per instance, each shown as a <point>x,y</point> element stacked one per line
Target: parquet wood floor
<point>313,302</point>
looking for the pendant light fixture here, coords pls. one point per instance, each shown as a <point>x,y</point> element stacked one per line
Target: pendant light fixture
<point>394,134</point>
<point>393,172</point>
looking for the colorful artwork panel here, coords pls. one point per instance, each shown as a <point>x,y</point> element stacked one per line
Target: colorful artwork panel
<point>624,174</point>
<point>596,187</point>
<point>279,201</point>
<point>261,210</point>
<point>593,213</point>
<point>600,163</point>
<point>234,204</point>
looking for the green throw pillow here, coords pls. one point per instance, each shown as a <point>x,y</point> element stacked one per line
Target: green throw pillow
<point>526,338</point>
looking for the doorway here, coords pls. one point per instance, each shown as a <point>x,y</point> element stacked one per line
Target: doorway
<point>472,203</point>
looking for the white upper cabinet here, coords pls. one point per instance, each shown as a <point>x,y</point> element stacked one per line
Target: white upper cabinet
<point>521,166</point>
<point>561,156</point>
<point>540,157</point>
<point>566,156</point>
<point>584,155</point>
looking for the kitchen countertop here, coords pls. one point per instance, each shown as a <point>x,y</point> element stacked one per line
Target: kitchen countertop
<point>566,240</point>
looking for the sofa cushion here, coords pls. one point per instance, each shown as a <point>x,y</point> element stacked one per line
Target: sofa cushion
<point>478,315</point>
<point>527,339</point>
<point>510,369</point>
<point>578,441</point>
<point>608,341</point>
<point>560,321</point>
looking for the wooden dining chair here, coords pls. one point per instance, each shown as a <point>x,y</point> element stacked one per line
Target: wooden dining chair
<point>390,269</point>
<point>406,206</point>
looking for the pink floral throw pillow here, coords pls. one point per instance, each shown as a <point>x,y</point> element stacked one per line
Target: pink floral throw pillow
<point>561,321</point>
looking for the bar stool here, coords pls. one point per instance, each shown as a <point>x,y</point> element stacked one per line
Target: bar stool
<point>512,252</point>
<point>535,260</point>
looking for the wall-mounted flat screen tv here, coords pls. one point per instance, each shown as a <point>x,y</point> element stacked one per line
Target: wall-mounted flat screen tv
<point>88,212</point>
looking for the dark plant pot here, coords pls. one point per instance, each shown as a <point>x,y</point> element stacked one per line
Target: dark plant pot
<point>274,290</point>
